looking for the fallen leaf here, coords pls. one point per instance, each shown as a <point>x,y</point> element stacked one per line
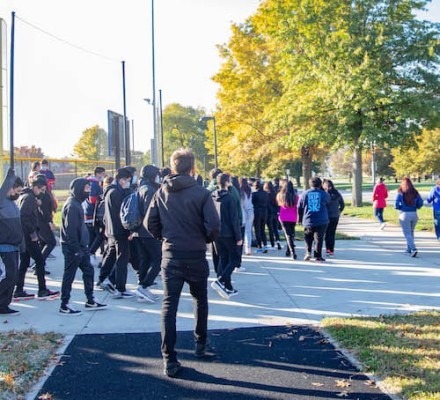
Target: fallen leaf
<point>45,396</point>
<point>370,383</point>
<point>317,384</point>
<point>301,338</point>
<point>342,394</point>
<point>342,383</point>
<point>323,341</point>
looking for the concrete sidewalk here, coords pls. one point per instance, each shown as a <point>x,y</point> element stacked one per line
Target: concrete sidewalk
<point>370,276</point>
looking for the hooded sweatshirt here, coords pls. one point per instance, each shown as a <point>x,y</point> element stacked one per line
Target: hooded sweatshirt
<point>228,212</point>
<point>74,233</point>
<point>434,198</point>
<point>27,202</point>
<point>183,214</point>
<point>11,234</point>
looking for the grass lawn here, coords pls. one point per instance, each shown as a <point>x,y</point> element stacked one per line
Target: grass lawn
<point>403,351</point>
<point>391,215</point>
<point>367,186</point>
<point>23,358</point>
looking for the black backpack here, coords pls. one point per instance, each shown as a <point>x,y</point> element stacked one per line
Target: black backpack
<point>98,213</point>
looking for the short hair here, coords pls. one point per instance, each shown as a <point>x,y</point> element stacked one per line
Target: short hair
<point>222,179</point>
<point>123,173</point>
<point>44,161</point>
<point>182,161</point>
<point>214,173</point>
<point>39,181</point>
<point>315,182</point>
<point>99,170</point>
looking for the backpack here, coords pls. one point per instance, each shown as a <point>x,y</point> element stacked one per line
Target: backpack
<point>98,213</point>
<point>131,216</point>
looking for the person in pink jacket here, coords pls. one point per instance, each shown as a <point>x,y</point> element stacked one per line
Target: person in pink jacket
<point>380,194</point>
<point>287,200</point>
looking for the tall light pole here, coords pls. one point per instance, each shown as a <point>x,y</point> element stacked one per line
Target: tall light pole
<point>154,152</point>
<point>204,120</point>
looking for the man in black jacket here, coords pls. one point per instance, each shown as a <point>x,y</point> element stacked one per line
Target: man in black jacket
<point>28,205</point>
<point>11,237</point>
<point>148,248</point>
<point>117,252</point>
<point>45,221</point>
<point>75,248</point>
<point>229,237</point>
<point>183,215</point>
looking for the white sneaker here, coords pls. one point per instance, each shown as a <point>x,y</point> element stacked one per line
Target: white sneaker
<point>382,226</point>
<point>108,286</point>
<point>146,294</point>
<point>241,269</point>
<point>123,295</point>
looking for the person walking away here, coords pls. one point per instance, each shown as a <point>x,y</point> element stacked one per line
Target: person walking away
<point>182,214</point>
<point>335,209</point>
<point>287,200</point>
<point>75,248</point>
<point>234,190</point>
<point>260,201</point>
<point>408,201</point>
<point>380,195</point>
<point>434,198</point>
<point>228,239</point>
<point>117,253</point>
<point>248,214</point>
<point>11,236</point>
<point>28,205</point>
<point>272,215</point>
<point>313,214</point>
<point>148,248</point>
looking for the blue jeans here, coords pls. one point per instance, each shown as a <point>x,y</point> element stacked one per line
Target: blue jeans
<point>408,221</point>
<point>174,274</point>
<point>378,213</point>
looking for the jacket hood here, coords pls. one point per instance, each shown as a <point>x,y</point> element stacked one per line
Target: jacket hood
<point>219,194</point>
<point>175,183</point>
<point>77,189</point>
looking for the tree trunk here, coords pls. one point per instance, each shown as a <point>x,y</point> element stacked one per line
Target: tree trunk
<point>356,192</point>
<point>306,158</point>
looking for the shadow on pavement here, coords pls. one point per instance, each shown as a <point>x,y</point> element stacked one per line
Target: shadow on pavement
<point>289,362</point>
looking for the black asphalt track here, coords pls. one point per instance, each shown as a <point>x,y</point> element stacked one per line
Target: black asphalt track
<point>289,362</point>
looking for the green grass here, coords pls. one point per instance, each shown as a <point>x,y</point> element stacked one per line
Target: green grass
<point>367,186</point>
<point>402,350</point>
<point>391,215</point>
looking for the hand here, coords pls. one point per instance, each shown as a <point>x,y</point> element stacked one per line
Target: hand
<point>53,227</point>
<point>240,242</point>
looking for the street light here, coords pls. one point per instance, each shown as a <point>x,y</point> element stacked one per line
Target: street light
<point>204,120</point>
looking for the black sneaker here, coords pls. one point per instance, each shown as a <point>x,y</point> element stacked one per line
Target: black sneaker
<point>287,252</point>
<point>20,296</point>
<point>307,257</point>
<point>69,310</point>
<point>279,245</point>
<point>220,289</point>
<point>47,294</point>
<point>319,259</point>
<point>414,253</point>
<point>171,368</point>
<point>294,256</point>
<point>94,306</point>
<point>9,312</point>
<point>46,272</point>
<point>203,350</point>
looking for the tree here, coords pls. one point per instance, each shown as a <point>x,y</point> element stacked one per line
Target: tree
<point>92,144</point>
<point>29,151</point>
<point>181,129</point>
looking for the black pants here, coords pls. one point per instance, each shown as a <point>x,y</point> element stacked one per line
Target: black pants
<point>289,231</point>
<point>174,274</point>
<point>260,234</point>
<point>150,257</point>
<point>228,254</point>
<point>272,225</point>
<point>215,257</point>
<point>98,241</point>
<point>47,240</point>
<point>116,258</point>
<point>314,236</point>
<point>8,278</point>
<point>71,264</point>
<point>240,249</point>
<point>32,250</point>
<point>330,234</point>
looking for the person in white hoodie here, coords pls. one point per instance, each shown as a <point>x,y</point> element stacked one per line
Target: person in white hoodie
<point>248,214</point>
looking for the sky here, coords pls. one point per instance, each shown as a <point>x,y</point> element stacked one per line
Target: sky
<point>61,90</point>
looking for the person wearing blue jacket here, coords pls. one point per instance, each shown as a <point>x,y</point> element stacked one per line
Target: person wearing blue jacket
<point>408,201</point>
<point>313,215</point>
<point>11,236</point>
<point>434,198</point>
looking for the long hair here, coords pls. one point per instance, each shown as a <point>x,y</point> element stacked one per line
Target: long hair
<point>268,187</point>
<point>245,189</point>
<point>408,191</point>
<point>287,196</point>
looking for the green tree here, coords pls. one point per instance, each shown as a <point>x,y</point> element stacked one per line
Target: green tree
<point>181,128</point>
<point>92,144</point>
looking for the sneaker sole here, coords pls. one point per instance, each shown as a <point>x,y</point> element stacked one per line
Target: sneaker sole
<point>69,314</point>
<point>414,254</point>
<point>52,297</point>
<point>17,299</point>
<point>220,292</point>
<point>95,308</point>
<point>145,299</point>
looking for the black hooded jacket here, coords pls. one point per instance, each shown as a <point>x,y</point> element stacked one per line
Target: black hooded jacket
<point>228,212</point>
<point>74,233</point>
<point>27,202</point>
<point>113,196</point>
<point>146,192</point>
<point>183,214</point>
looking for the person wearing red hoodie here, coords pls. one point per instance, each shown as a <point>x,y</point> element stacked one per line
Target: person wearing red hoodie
<point>380,194</point>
